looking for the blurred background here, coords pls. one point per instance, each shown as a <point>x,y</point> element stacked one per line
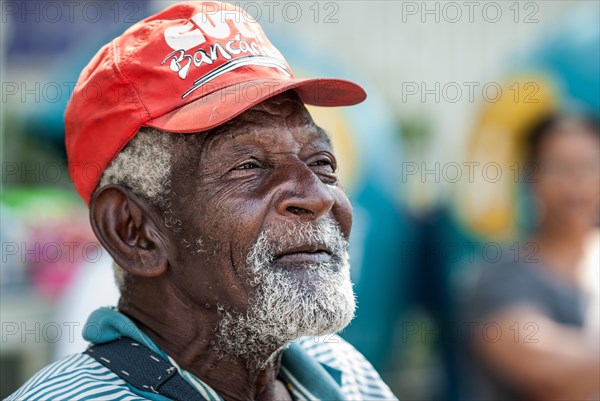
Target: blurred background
<point>435,161</point>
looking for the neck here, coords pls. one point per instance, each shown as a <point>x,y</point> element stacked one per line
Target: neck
<point>560,249</point>
<point>187,334</point>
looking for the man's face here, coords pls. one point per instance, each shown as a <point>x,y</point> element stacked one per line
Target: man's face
<point>264,230</point>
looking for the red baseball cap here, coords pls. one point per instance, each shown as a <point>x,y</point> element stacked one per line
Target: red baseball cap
<point>187,69</point>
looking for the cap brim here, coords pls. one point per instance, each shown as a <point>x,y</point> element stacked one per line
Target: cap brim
<point>222,105</point>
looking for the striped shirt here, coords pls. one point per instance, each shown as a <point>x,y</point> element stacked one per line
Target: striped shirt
<point>306,363</point>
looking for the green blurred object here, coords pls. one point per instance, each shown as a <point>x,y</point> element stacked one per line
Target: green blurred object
<point>41,201</point>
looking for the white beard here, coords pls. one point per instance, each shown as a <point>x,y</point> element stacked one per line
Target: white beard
<point>285,308</point>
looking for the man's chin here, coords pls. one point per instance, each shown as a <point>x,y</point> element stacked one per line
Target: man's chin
<point>308,278</point>
<point>323,305</point>
<point>322,318</point>
<point>291,300</point>
<point>325,327</point>
<point>266,330</point>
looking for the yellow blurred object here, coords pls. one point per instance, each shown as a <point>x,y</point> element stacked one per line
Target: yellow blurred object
<point>336,124</point>
<point>488,205</point>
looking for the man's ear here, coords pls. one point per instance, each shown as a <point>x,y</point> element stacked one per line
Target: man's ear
<point>124,225</point>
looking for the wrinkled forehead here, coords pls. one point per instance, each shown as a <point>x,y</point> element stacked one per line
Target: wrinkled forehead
<point>267,121</point>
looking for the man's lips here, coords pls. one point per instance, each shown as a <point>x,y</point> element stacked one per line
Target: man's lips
<point>305,254</point>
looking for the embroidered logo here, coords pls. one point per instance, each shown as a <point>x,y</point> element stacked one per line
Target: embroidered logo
<point>236,40</point>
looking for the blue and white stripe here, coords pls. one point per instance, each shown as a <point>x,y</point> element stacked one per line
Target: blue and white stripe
<point>360,381</point>
<point>76,377</point>
<point>81,378</point>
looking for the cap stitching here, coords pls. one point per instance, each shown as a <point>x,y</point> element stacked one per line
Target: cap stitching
<point>130,135</point>
<point>133,88</point>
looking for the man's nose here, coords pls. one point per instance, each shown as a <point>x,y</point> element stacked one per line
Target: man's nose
<point>304,195</point>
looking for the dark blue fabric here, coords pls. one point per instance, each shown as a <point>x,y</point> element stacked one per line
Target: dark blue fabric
<point>144,369</point>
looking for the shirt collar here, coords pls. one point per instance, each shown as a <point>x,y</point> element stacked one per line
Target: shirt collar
<point>306,378</point>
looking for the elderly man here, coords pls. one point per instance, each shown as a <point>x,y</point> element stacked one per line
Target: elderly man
<point>219,203</point>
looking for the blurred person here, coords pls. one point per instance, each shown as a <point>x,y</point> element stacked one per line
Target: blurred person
<point>219,203</point>
<point>533,339</point>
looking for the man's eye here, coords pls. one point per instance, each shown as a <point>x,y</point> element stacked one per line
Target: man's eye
<point>247,166</point>
<point>326,169</point>
<point>325,163</point>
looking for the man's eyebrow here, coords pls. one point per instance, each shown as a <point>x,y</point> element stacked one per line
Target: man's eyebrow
<point>216,135</point>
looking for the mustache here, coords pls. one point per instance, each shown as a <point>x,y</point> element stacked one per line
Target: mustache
<point>319,235</point>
